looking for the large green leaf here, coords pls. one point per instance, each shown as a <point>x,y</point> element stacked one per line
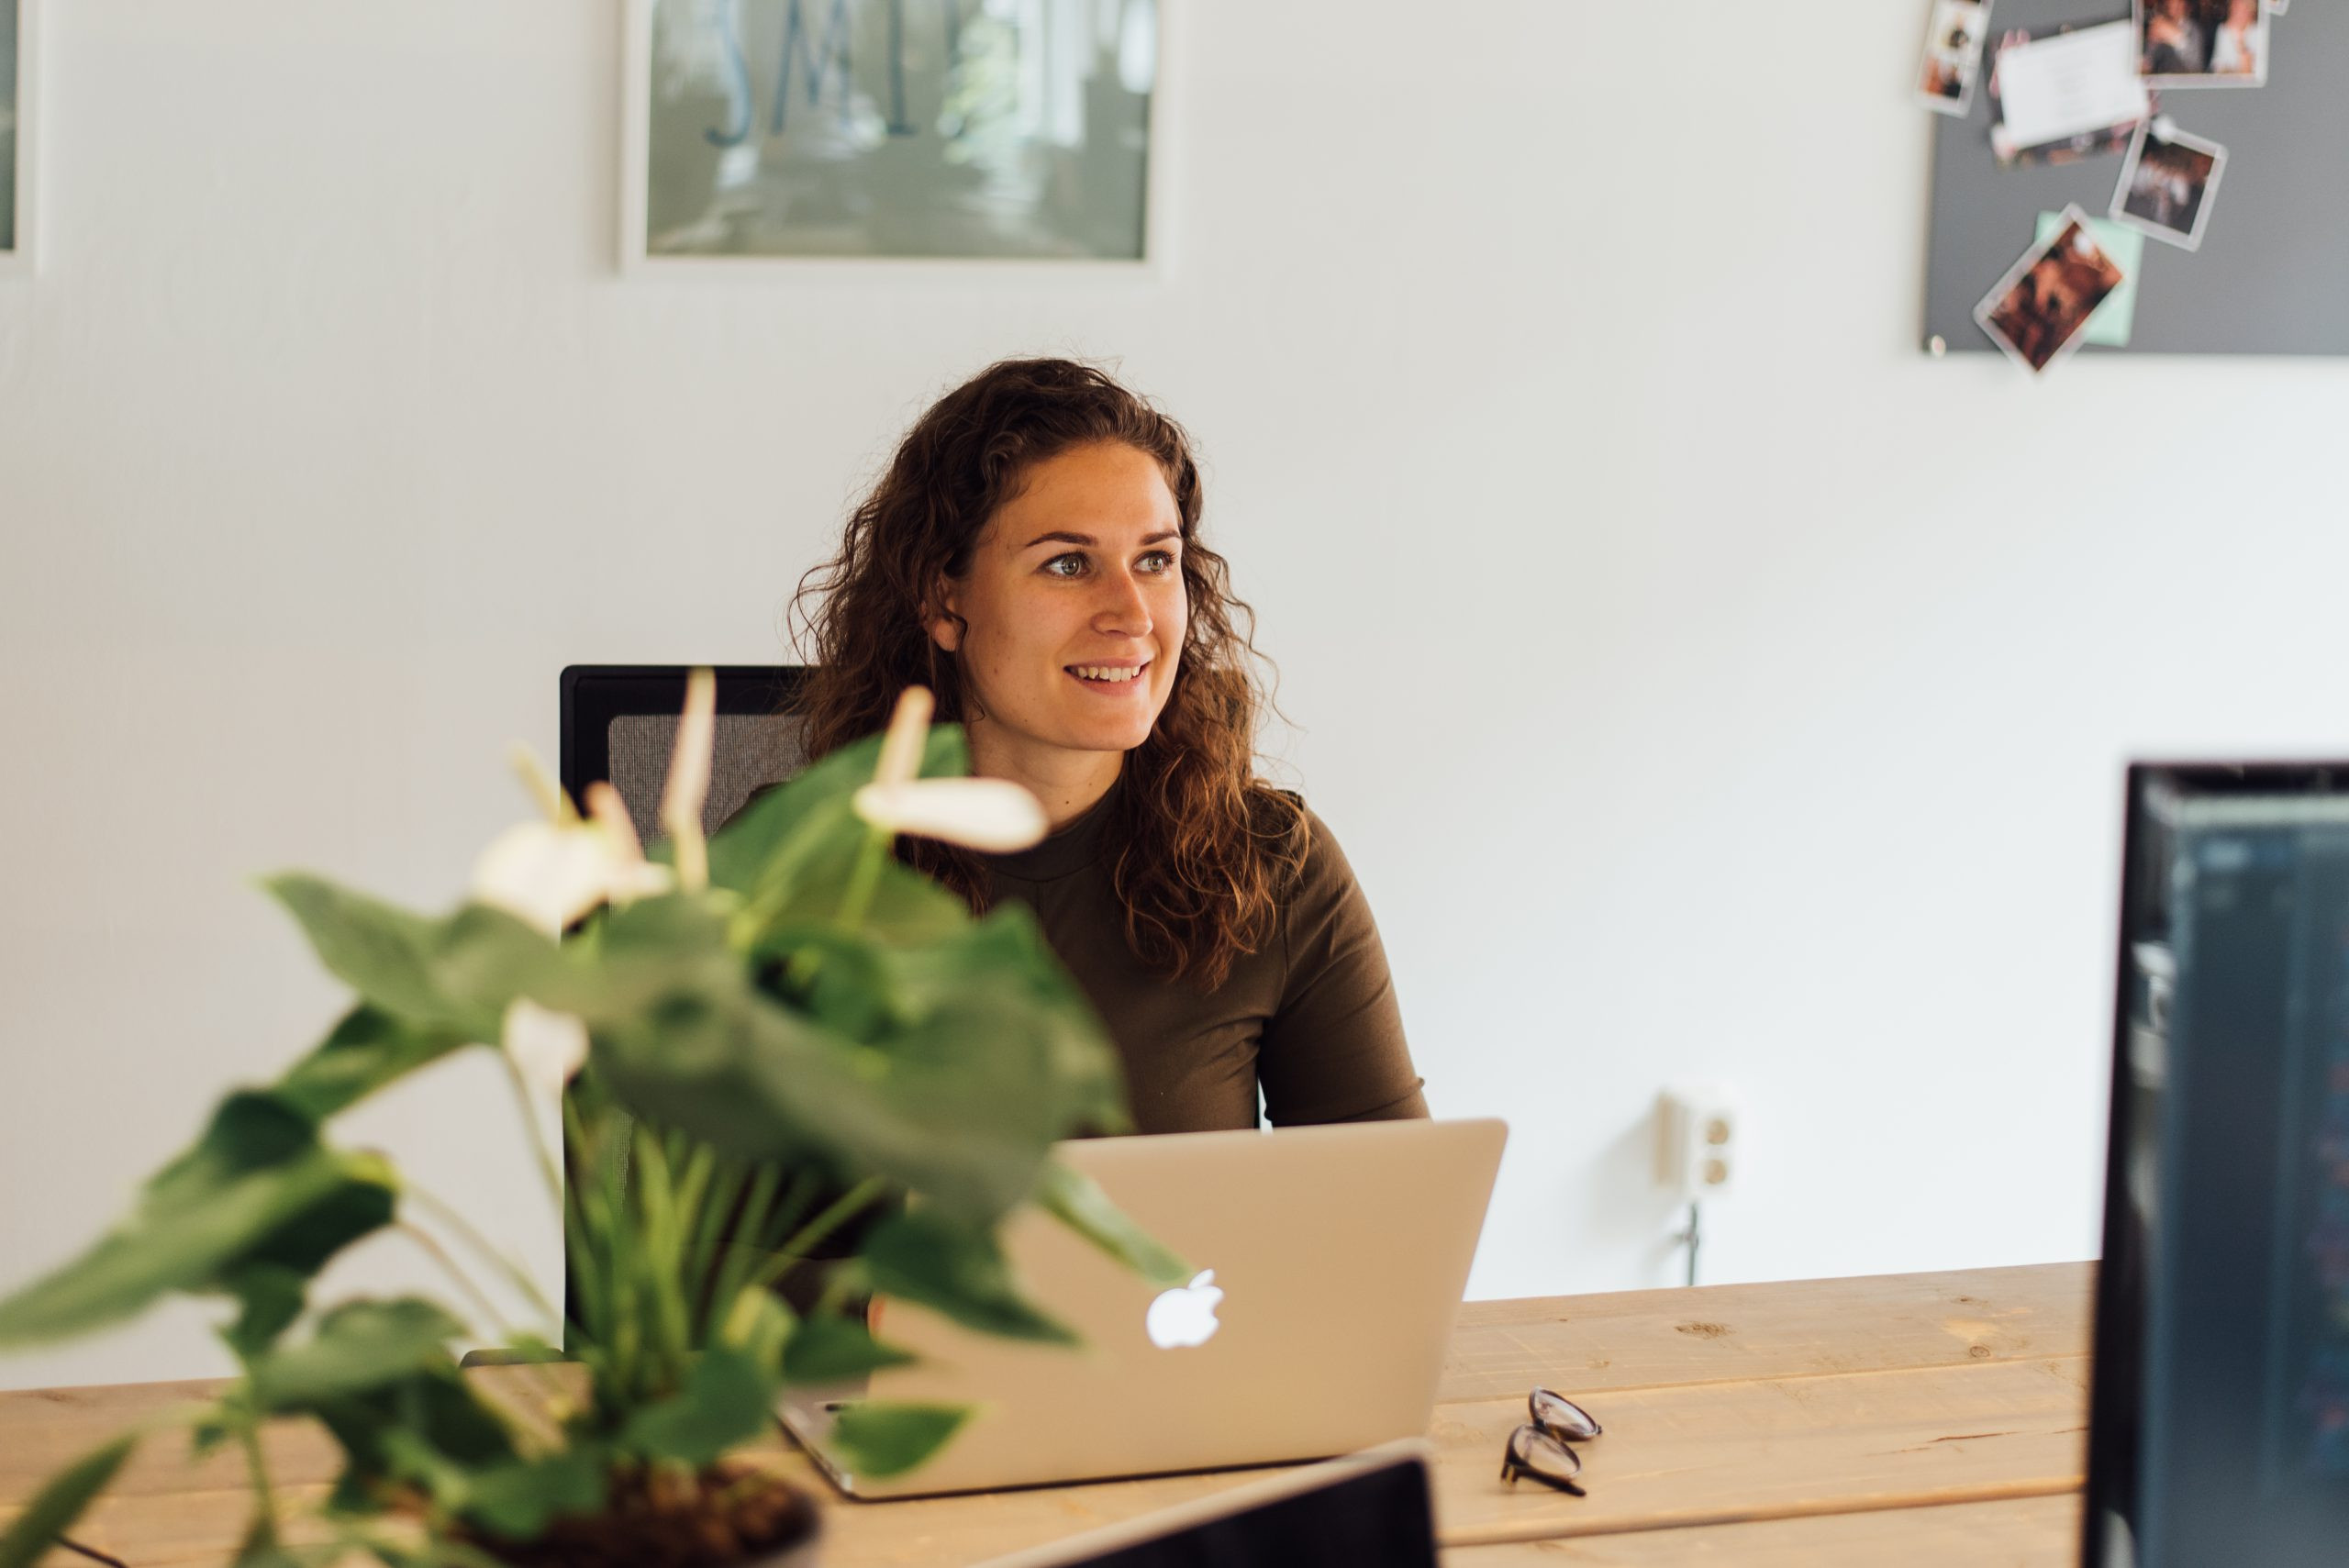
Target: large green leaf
<point>357,1348</point>
<point>1077,1201</point>
<point>837,977</point>
<point>879,1439</point>
<point>270,1297</point>
<point>726,1400</point>
<point>56,1505</point>
<point>829,1350</point>
<point>258,1188</point>
<point>792,851</point>
<point>368,1048</point>
<point>455,974</point>
<point>809,881</point>
<point>683,1038</point>
<point>923,1256</point>
<point>996,1011</point>
<point>778,821</point>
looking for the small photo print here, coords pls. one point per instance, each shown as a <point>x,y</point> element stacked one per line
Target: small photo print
<point>2202,43</point>
<point>2037,311</point>
<point>1953,57</point>
<point>2063,94</point>
<point>2168,183</point>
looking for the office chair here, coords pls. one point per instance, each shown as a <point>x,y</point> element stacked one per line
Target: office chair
<point>620,723</point>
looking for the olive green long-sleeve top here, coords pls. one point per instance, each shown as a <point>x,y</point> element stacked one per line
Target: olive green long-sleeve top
<point>1311,1018</point>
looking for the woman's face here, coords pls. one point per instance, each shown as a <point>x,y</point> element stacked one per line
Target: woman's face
<point>1074,609</point>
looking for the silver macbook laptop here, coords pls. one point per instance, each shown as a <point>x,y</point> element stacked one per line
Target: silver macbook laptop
<point>1331,1264</point>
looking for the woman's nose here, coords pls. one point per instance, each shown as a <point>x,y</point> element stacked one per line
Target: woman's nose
<point>1125,609</point>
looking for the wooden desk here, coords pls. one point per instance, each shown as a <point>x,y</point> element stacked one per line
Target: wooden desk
<point>1926,1419</point>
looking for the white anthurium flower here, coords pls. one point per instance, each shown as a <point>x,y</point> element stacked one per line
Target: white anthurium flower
<point>552,874</point>
<point>688,787</point>
<point>901,748</point>
<point>548,1048</point>
<point>991,815</point>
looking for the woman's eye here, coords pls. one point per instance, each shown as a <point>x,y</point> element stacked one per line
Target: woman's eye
<point>1155,563</point>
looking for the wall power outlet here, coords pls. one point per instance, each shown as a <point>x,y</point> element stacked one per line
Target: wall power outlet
<point>1698,1128</point>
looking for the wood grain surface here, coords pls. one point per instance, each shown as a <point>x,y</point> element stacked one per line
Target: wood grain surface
<point>1810,1421</point>
<point>2031,1532</point>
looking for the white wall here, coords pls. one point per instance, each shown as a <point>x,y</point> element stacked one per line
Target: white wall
<point>1701,679</point>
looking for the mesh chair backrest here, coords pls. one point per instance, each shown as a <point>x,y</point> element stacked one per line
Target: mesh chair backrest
<point>751,751</point>
<point>620,723</point>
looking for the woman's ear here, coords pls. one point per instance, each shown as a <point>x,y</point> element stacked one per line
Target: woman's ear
<point>941,617</point>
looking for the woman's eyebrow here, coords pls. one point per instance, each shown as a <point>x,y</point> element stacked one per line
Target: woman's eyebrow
<point>1060,538</point>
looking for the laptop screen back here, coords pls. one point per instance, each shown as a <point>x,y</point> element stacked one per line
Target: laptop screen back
<point>1370,1510</point>
<point>2220,1423</point>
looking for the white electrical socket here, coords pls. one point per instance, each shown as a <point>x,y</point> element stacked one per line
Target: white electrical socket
<point>1696,1148</point>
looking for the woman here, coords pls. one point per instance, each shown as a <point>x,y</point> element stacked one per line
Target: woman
<point>1032,556</point>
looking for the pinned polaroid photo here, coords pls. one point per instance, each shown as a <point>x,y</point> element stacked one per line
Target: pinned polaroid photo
<point>2202,43</point>
<point>2111,323</point>
<point>2065,94</point>
<point>2168,183</point>
<point>1953,58</point>
<point>2037,312</point>
<point>2277,7</point>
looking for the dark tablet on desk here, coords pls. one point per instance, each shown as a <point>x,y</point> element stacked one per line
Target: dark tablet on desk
<point>2219,1419</point>
<point>1366,1510</point>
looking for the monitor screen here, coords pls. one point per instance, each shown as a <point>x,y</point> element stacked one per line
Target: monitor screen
<point>2219,1431</point>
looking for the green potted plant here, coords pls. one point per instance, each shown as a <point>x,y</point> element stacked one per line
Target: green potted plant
<point>762,1043</point>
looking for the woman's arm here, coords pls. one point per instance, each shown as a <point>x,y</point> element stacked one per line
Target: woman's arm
<point>1334,1050</point>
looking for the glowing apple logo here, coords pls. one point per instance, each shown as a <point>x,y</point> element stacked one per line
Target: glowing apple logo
<point>1184,1317</point>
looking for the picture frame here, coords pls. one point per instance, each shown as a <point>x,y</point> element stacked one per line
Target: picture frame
<point>2210,68</point>
<point>19,137</point>
<point>662,173</point>
<point>2180,214</point>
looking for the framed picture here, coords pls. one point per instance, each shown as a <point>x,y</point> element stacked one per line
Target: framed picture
<point>802,131</point>
<point>19,35</point>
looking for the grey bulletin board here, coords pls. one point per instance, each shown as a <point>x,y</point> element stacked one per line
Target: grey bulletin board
<point>2272,275</point>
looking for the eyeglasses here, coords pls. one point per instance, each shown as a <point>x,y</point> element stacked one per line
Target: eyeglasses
<point>1539,1449</point>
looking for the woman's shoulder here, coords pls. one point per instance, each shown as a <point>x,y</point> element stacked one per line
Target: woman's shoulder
<point>1313,869</point>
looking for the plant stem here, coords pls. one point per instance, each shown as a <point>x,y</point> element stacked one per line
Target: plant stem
<point>663,1252</point>
<point>581,1238</point>
<point>264,1499</point>
<point>832,1218</point>
<point>742,1195</point>
<point>455,1270</point>
<point>548,1385</point>
<point>546,1167</point>
<point>814,1233</point>
<point>865,879</point>
<point>448,1215</point>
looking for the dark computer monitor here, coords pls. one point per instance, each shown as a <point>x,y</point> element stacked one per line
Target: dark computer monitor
<point>2219,1431</point>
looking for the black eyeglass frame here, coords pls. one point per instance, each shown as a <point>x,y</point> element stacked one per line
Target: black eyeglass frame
<point>1554,1419</point>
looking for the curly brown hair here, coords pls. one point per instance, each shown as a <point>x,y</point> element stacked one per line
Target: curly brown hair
<point>1203,848</point>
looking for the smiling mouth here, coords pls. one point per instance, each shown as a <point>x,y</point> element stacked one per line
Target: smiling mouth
<point>1107,677</point>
